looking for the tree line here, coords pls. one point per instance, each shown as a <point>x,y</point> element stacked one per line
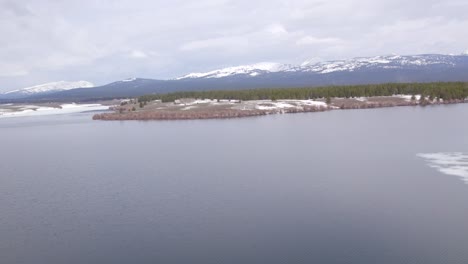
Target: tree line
<point>440,90</point>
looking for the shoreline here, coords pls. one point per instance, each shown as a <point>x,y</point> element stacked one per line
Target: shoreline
<point>14,111</point>
<point>192,109</point>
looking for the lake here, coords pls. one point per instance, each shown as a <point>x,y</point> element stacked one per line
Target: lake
<point>353,186</point>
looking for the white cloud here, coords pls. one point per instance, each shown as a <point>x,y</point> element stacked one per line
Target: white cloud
<point>137,54</point>
<point>12,71</point>
<point>309,40</point>
<point>277,29</point>
<point>215,43</point>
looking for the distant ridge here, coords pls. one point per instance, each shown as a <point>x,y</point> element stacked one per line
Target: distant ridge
<point>46,88</point>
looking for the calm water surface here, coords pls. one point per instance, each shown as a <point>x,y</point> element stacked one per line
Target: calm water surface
<point>334,187</point>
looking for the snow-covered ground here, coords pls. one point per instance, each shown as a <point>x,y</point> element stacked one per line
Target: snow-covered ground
<point>451,163</point>
<point>193,102</point>
<point>274,105</point>
<point>32,110</point>
<point>361,99</point>
<point>284,104</point>
<point>407,97</point>
<point>250,104</point>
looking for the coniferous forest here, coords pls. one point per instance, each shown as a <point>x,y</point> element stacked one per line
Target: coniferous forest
<point>446,91</point>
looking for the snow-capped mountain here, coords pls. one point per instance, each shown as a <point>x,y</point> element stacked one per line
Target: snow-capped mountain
<point>350,65</point>
<point>371,70</point>
<point>252,70</point>
<point>383,62</point>
<point>47,88</point>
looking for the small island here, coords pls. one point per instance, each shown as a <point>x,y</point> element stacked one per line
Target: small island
<point>246,103</point>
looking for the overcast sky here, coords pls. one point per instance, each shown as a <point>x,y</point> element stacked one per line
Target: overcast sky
<point>106,40</point>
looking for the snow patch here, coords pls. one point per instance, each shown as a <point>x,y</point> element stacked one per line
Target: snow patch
<point>361,99</point>
<point>188,107</point>
<point>407,97</point>
<point>129,80</point>
<point>188,101</point>
<point>283,104</point>
<point>274,106</point>
<point>311,103</point>
<point>203,101</point>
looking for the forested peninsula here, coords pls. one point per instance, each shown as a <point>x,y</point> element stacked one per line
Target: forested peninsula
<point>243,103</point>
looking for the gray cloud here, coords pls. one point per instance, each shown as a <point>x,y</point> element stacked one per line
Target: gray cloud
<point>103,41</point>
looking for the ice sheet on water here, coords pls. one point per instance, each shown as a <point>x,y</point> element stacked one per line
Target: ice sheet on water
<point>450,163</point>
<point>30,110</point>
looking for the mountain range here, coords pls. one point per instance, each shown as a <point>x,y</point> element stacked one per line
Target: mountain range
<point>369,70</point>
